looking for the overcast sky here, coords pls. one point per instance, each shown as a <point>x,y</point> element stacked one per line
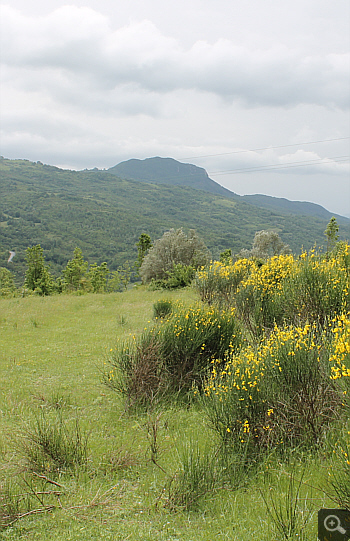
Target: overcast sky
<point>256,92</point>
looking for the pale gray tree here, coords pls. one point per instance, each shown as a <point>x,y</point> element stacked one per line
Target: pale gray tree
<point>266,244</point>
<point>175,247</point>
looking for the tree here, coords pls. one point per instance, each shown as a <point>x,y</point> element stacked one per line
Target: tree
<point>124,272</point>
<point>97,276</point>
<point>266,244</point>
<point>143,246</point>
<point>331,234</point>
<point>7,284</point>
<point>75,271</point>
<point>175,247</point>
<point>38,277</point>
<point>226,257</point>
<point>113,283</point>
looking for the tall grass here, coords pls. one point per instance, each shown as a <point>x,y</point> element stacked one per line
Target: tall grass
<point>52,444</point>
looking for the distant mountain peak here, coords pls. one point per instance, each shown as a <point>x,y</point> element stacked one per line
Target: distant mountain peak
<point>159,170</point>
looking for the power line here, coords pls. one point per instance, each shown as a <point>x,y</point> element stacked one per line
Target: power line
<point>289,165</point>
<point>264,148</point>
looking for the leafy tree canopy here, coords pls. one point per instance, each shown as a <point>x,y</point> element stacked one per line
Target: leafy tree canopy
<point>175,247</point>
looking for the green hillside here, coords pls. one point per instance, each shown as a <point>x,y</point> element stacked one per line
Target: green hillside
<point>104,215</point>
<point>304,208</point>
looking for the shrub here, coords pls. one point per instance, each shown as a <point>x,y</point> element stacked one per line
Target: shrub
<point>280,290</point>
<point>191,338</point>
<point>173,355</point>
<point>197,476</point>
<point>137,370</point>
<point>258,298</point>
<point>218,282</point>
<point>317,289</point>
<point>286,392</point>
<point>162,308</point>
<point>179,276</point>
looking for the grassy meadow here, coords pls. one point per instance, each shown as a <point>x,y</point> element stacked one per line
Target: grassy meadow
<point>53,353</point>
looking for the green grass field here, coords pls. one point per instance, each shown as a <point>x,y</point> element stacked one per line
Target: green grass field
<point>52,352</point>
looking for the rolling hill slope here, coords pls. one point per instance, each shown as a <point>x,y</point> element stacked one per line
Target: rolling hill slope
<point>104,215</point>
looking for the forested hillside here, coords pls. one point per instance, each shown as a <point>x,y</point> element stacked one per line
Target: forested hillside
<point>104,215</point>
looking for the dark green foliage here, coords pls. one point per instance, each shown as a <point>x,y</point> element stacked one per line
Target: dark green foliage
<point>179,276</point>
<point>143,245</point>
<point>38,277</point>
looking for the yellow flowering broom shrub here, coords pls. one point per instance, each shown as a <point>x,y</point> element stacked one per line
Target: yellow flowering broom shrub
<point>218,282</point>
<point>282,290</point>
<point>286,392</point>
<point>317,289</point>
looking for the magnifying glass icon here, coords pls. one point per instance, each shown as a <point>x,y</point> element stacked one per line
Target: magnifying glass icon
<point>332,524</point>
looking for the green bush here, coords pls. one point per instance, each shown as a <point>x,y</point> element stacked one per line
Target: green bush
<point>179,276</point>
<point>174,355</point>
<point>162,308</point>
<point>197,477</point>
<point>137,370</point>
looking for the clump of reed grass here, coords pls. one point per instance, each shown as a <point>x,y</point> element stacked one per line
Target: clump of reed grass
<point>53,444</point>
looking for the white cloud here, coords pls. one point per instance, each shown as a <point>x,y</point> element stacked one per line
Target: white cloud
<point>78,45</point>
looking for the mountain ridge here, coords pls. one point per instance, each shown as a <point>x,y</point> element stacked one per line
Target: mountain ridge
<point>169,171</point>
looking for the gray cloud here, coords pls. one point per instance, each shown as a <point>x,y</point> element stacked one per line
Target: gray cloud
<point>74,48</point>
<point>91,86</point>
